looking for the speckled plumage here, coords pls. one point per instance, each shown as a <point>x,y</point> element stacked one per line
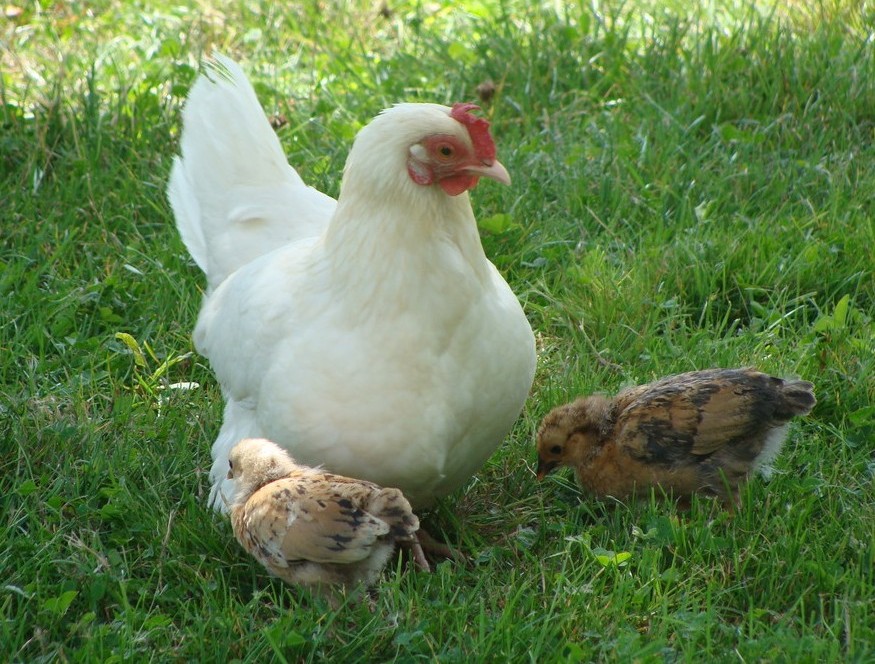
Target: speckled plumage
<point>697,432</point>
<point>310,527</point>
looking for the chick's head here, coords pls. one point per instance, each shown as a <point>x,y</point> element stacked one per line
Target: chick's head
<point>571,435</point>
<point>254,462</point>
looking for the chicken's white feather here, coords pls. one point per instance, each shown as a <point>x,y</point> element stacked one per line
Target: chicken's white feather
<point>233,193</point>
<point>380,343</point>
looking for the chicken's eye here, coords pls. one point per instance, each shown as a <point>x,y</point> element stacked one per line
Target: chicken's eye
<point>446,151</point>
<point>556,449</point>
<point>230,464</point>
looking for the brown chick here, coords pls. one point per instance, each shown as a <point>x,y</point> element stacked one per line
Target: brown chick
<point>310,527</point>
<point>697,432</point>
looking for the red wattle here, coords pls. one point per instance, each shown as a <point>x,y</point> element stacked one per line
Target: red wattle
<point>457,184</point>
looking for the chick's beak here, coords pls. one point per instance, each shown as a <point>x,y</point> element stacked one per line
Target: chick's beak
<point>545,467</point>
<point>495,171</point>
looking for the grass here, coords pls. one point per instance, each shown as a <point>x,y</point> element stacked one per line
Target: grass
<point>689,191</point>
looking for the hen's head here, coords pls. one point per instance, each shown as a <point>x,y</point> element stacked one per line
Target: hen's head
<point>456,159</point>
<point>448,147</point>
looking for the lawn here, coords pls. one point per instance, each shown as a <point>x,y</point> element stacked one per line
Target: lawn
<point>690,190</point>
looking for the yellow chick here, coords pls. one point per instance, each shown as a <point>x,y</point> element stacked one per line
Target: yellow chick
<point>309,527</point>
<point>697,432</point>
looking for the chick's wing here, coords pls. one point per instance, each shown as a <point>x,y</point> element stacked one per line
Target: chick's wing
<point>687,415</point>
<point>289,521</point>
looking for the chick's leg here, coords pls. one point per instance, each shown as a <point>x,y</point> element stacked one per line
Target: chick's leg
<point>424,547</point>
<point>418,554</point>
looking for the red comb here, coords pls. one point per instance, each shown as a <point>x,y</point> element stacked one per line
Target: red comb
<point>478,130</point>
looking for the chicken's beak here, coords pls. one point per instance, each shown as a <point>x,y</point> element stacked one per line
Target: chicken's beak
<point>495,171</point>
<point>545,468</point>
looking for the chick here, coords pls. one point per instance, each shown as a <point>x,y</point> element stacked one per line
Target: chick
<point>697,432</point>
<point>310,527</point>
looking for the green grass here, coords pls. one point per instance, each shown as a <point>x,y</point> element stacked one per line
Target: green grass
<point>689,191</point>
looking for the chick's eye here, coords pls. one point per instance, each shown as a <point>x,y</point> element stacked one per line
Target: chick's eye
<point>230,464</point>
<point>556,449</point>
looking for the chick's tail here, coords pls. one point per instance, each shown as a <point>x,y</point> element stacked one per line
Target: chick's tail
<point>390,506</point>
<point>798,397</point>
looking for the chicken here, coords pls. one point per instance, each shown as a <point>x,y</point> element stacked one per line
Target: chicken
<point>698,432</point>
<point>370,335</point>
<point>313,528</point>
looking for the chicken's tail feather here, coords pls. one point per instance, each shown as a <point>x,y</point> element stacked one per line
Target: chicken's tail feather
<point>233,193</point>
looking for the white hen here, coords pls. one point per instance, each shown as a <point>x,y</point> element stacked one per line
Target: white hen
<point>370,336</point>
